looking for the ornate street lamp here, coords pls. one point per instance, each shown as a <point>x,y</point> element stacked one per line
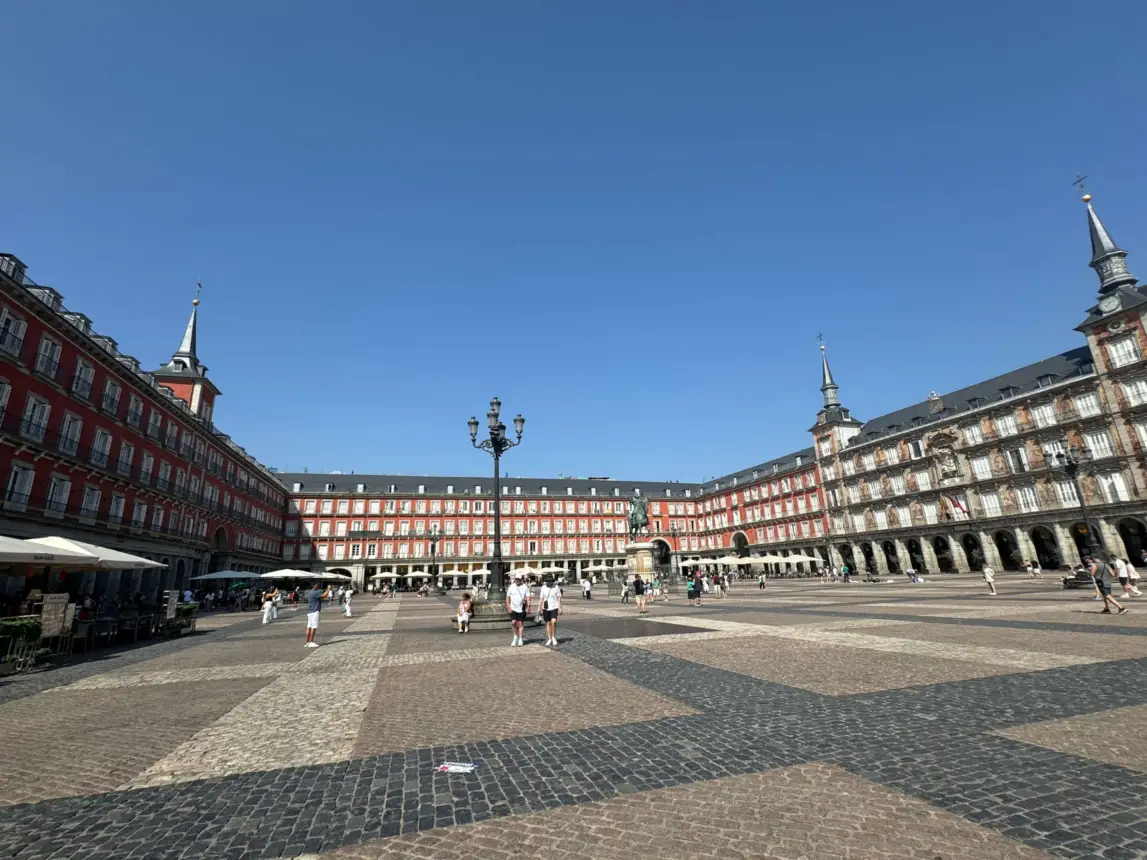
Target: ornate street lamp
<point>433,539</point>
<point>497,445</point>
<point>1068,462</point>
<point>675,559</point>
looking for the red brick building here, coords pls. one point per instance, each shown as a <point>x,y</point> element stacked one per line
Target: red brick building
<point>95,448</point>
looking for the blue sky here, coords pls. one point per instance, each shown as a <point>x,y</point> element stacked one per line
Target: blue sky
<point>629,220</point>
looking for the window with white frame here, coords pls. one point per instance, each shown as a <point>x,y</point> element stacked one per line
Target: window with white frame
<point>973,434</point>
<point>324,528</point>
<point>82,379</point>
<point>1135,391</point>
<point>858,522</point>
<point>897,484</point>
<point>112,391</point>
<point>138,514</point>
<point>1006,425</point>
<point>869,460</point>
<point>1051,448</point>
<point>134,410</point>
<point>157,518</point>
<point>48,357</point>
<point>1017,460</point>
<point>990,502</point>
<point>116,508</point>
<point>1028,500</point>
<point>1087,404</point>
<point>372,550</point>
<point>1043,415</point>
<point>931,512</point>
<point>1114,487</point>
<point>12,329</point>
<point>146,464</point>
<point>101,446</point>
<point>1141,432</point>
<point>853,494</point>
<point>35,423</point>
<point>1099,444</point>
<point>892,455</point>
<point>915,449</point>
<point>154,420</point>
<point>824,447</point>
<point>59,488</point>
<point>923,480</point>
<point>70,429</point>
<point>126,456</point>
<point>340,528</point>
<point>1124,351</point>
<point>90,504</point>
<point>982,468</point>
<point>881,518</point>
<point>375,506</point>
<point>875,491</point>
<point>1068,497</point>
<point>322,551</point>
<point>847,466</point>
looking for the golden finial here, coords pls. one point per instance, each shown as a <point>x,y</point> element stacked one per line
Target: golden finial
<point>198,288</point>
<point>1086,198</point>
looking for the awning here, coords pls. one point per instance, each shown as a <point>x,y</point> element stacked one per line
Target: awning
<point>16,551</point>
<point>109,559</point>
<point>224,574</point>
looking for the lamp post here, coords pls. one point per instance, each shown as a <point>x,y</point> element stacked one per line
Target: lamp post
<point>675,561</point>
<point>433,539</point>
<point>497,445</point>
<point>1068,462</point>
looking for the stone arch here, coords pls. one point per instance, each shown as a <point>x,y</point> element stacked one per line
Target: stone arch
<point>943,552</point>
<point>891,557</point>
<point>662,553</point>
<point>219,542</point>
<point>916,556</point>
<point>1008,549</point>
<point>847,555</point>
<point>740,544</point>
<point>869,556</point>
<point>1134,535</point>
<point>1046,548</point>
<point>973,550</point>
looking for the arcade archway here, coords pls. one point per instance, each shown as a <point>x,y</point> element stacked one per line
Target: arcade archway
<point>1046,548</point>
<point>1008,549</point>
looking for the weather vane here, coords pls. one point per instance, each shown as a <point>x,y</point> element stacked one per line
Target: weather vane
<point>198,290</point>
<point>1079,177</point>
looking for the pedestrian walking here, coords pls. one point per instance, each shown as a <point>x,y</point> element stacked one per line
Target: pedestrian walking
<point>625,592</point>
<point>639,593</point>
<point>551,600</point>
<point>990,579</point>
<point>665,590</point>
<point>518,605</point>
<point>346,602</point>
<point>315,598</point>
<point>846,573</point>
<point>1037,569</point>
<point>268,606</point>
<point>761,581</point>
<point>1121,575</point>
<point>586,589</point>
<point>1101,573</point>
<point>654,589</point>
<point>465,612</point>
<point>1133,578</point>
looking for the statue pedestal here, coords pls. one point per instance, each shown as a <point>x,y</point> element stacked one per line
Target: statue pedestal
<point>639,559</point>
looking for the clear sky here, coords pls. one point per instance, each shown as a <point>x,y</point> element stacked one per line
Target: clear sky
<point>629,220</point>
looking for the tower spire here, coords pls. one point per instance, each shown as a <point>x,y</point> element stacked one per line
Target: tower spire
<point>185,360</point>
<point>828,385</point>
<point>1107,258</point>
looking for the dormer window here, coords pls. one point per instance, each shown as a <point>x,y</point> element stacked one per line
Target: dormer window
<point>569,491</point>
<point>296,487</point>
<point>330,487</point>
<point>450,488</point>
<point>392,488</point>
<point>517,491</point>
<point>422,488</point>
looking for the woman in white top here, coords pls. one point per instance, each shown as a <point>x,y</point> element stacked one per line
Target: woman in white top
<point>551,598</point>
<point>1131,589</point>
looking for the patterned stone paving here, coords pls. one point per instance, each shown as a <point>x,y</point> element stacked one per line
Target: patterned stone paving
<point>808,720</point>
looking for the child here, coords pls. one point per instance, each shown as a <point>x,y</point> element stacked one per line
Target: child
<point>465,610</point>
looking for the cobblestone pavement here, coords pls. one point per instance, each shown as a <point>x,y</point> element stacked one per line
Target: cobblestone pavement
<point>809,720</point>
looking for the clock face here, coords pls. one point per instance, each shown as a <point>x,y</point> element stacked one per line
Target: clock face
<point>1109,303</point>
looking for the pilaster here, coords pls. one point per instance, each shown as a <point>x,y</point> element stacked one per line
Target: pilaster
<point>991,554</point>
<point>930,561</point>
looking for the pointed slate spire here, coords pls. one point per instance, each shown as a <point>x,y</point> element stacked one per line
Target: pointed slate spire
<point>828,385</point>
<point>185,360</point>
<point>1107,258</point>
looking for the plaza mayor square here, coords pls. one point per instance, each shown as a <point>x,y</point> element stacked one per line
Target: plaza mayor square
<point>572,432</point>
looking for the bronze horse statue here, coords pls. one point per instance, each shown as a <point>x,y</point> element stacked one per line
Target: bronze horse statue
<point>638,517</point>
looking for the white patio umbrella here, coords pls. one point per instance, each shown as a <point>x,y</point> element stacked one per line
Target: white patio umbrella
<point>800,556</point>
<point>728,559</point>
<point>16,551</point>
<point>290,573</point>
<point>224,574</point>
<point>743,560</point>
<point>109,559</point>
<point>772,558</point>
<point>385,576</point>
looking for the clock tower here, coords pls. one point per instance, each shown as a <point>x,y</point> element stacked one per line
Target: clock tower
<point>1117,290</point>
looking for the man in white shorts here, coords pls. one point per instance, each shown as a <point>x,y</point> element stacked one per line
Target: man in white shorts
<point>518,605</point>
<point>315,598</point>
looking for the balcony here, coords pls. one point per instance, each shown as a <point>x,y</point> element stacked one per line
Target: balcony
<point>134,416</point>
<point>68,445</point>
<point>55,508</point>
<point>123,467</point>
<point>11,344</point>
<point>32,430</point>
<point>99,458</point>
<point>110,405</point>
<point>46,365</point>
<point>81,387</point>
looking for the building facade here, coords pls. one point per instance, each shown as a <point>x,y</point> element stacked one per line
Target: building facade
<point>975,476</point>
<point>94,448</point>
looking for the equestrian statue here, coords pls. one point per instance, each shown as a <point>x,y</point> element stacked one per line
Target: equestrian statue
<point>638,517</point>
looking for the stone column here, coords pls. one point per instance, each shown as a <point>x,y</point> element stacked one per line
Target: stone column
<point>991,554</point>
<point>930,560</point>
<point>1111,538</point>
<point>1025,545</point>
<point>959,557</point>
<point>1068,551</point>
<point>834,555</point>
<point>879,558</point>
<point>902,554</point>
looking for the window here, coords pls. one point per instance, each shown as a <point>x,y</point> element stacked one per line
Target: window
<point>990,502</point>
<point>372,550</point>
<point>134,410</point>
<point>19,488</point>
<point>881,518</point>
<point>340,551</point>
<point>70,433</point>
<point>1124,351</point>
<point>356,550</point>
<point>1017,460</point>
<point>1141,432</point>
<point>1028,500</point>
<point>147,463</point>
<point>1114,487</point>
<point>874,492</point>
<point>324,528</point>
<point>1068,497</point>
<point>847,465</point>
<point>48,357</point>
<point>327,507</point>
<point>126,457</point>
<point>172,434</point>
<point>973,435</point>
<point>931,512</point>
<point>1052,450</point>
<point>90,506</point>
<point>82,379</point>
<point>915,449</point>
<point>1099,444</point>
<point>1135,391</point>
<point>154,420</point>
<point>1043,415</point>
<point>869,461</point>
<point>344,507</point>
<point>101,445</point>
<point>12,330</point>
<point>923,480</point>
<point>157,519</point>
<point>824,447</point>
<point>892,455</point>
<point>112,392</point>
<point>1006,425</point>
<point>116,508</point>
<point>35,423</point>
<point>1087,404</point>
<point>59,488</point>
<point>340,528</point>
<point>982,468</point>
<point>292,528</point>
<point>138,514</point>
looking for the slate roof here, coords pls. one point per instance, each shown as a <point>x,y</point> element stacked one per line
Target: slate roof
<point>775,466</point>
<point>314,483</point>
<point>1066,365</point>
